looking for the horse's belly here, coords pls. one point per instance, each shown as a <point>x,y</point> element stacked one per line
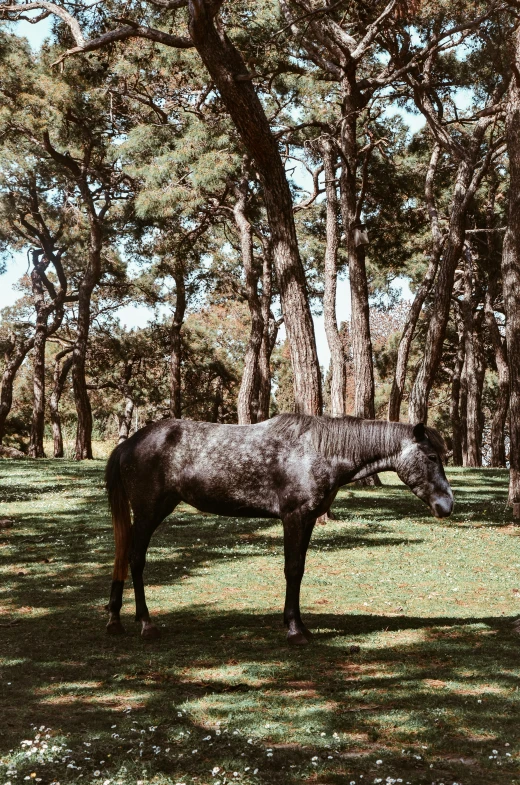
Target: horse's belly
<point>232,509</point>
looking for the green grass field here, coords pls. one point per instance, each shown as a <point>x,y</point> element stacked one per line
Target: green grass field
<point>431,697</point>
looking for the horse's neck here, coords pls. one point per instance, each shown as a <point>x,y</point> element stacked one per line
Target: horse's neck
<point>371,450</point>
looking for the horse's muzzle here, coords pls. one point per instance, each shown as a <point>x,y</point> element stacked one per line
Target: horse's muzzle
<point>442,508</point>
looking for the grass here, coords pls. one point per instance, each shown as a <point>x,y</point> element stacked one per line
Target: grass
<point>431,697</point>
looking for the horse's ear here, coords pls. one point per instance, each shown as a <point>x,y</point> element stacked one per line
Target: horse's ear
<point>419,432</point>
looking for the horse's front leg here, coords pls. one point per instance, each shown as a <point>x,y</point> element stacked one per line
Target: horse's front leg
<point>297,534</point>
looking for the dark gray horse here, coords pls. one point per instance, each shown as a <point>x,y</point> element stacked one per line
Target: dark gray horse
<point>290,467</point>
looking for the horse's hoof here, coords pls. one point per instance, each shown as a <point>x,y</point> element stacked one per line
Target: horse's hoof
<point>150,632</point>
<point>114,627</point>
<point>296,638</point>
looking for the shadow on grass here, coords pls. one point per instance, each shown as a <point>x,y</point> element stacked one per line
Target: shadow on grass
<point>429,697</point>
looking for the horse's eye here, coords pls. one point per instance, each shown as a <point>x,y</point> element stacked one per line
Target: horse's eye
<point>432,458</point>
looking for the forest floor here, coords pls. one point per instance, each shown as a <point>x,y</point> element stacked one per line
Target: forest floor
<point>432,696</point>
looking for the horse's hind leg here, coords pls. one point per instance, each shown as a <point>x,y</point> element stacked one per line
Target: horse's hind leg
<point>297,535</point>
<point>144,527</point>
<point>114,626</point>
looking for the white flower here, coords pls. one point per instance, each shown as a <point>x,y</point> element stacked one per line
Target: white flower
<point>378,762</point>
<point>206,738</point>
<point>315,758</point>
<point>215,771</point>
<point>255,771</point>
<point>97,773</point>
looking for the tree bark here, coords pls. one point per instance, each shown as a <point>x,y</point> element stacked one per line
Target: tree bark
<point>176,342</point>
<point>268,343</point>
<point>125,420</point>
<point>250,372</point>
<point>350,213</point>
<point>442,299</point>
<point>229,73</point>
<point>13,360</point>
<point>337,357</point>
<point>40,340</point>
<point>403,352</point>
<point>474,371</point>
<point>499,419</point>
<point>456,380</point>
<point>511,272</point>
<point>60,375</point>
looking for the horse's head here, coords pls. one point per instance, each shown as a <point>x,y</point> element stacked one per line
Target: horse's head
<point>419,465</point>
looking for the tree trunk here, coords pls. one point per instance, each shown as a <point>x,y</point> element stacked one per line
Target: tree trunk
<point>511,272</point>
<point>60,376</point>
<point>474,372</point>
<point>250,372</point>
<point>217,400</point>
<point>456,379</point>
<point>337,357</point>
<point>176,343</point>
<point>230,76</point>
<point>403,352</point>
<point>40,339</point>
<point>350,213</point>
<point>267,346</point>
<point>499,419</point>
<point>442,298</point>
<point>83,448</point>
<point>125,420</point>
<point>13,361</point>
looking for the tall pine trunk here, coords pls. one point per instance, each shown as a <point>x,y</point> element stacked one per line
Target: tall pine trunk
<point>60,375</point>
<point>83,448</point>
<point>229,73</point>
<point>337,357</point>
<point>511,272</point>
<point>40,340</point>
<point>249,375</point>
<point>474,369</point>
<point>455,401</point>
<point>268,343</point>
<point>350,213</point>
<point>403,351</point>
<point>13,360</point>
<point>499,418</point>
<point>418,410</point>
<point>176,342</point>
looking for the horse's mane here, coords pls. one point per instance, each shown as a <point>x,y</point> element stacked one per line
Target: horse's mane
<point>343,435</point>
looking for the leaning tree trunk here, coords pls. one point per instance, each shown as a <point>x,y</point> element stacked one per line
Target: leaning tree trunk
<point>60,375</point>
<point>403,352</point>
<point>229,73</point>
<point>40,340</point>
<point>418,410</point>
<point>250,372</point>
<point>176,342</point>
<point>511,272</point>
<point>337,357</point>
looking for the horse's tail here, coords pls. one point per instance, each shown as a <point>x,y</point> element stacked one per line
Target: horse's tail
<point>120,509</point>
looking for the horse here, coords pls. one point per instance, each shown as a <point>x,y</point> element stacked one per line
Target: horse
<point>289,467</point>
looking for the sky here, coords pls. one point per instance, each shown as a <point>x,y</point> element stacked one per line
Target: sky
<point>139,315</point>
